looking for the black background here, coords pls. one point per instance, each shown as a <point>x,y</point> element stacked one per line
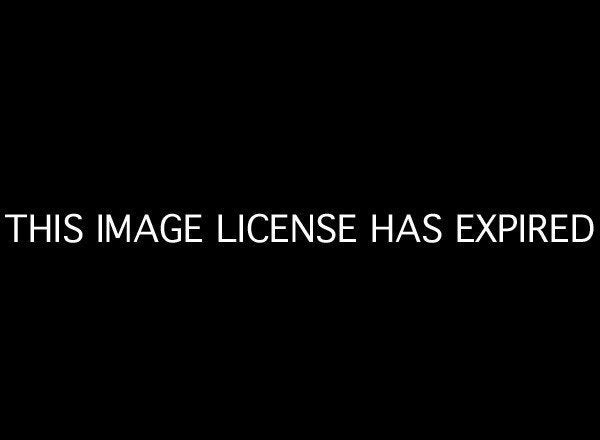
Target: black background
<point>386,112</point>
